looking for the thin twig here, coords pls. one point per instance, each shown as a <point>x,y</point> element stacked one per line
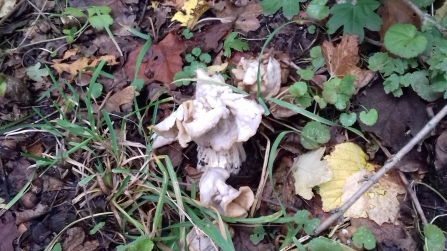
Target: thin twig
<point>426,17</point>
<point>389,166</point>
<point>407,184</point>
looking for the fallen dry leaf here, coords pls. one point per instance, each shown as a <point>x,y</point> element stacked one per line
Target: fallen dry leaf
<point>124,96</point>
<point>396,12</point>
<point>75,241</point>
<point>244,18</point>
<point>191,12</point>
<point>346,160</point>
<point>8,231</point>
<point>389,236</point>
<point>67,54</point>
<point>81,63</point>
<point>6,6</point>
<point>210,37</point>
<point>309,170</point>
<point>379,203</point>
<point>35,150</point>
<point>162,63</point>
<point>396,126</point>
<point>341,60</point>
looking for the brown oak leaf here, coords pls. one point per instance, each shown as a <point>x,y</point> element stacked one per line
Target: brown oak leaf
<point>121,97</point>
<point>160,63</point>
<point>341,60</point>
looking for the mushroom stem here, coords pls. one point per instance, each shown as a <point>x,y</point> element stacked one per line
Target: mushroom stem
<point>230,159</point>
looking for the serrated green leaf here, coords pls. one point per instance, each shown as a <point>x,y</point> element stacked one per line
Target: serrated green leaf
<point>290,8</point>
<point>100,21</point>
<point>423,3</point>
<point>304,100</point>
<point>74,12</point>
<point>35,73</point>
<point>342,99</point>
<point>317,57</point>
<point>305,74</point>
<point>439,83</point>
<point>434,238</point>
<point>378,61</point>
<point>400,65</point>
<point>391,83</point>
<point>348,119</point>
<point>231,43</point>
<point>369,118</point>
<point>354,18</point>
<point>298,89</point>
<point>406,79</point>
<point>404,40</point>
<point>364,238</point>
<point>320,101</point>
<point>346,85</point>
<point>398,92</point>
<point>314,134</point>
<point>324,244</point>
<point>317,9</point>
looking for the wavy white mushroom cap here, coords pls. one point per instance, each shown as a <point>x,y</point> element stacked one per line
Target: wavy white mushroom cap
<point>216,119</point>
<point>247,72</point>
<point>227,200</point>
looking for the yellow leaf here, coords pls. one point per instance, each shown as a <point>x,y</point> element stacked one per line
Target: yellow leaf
<point>346,160</point>
<point>213,69</point>
<point>191,12</point>
<point>379,203</point>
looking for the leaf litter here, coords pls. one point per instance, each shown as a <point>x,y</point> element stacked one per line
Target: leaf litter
<point>108,168</point>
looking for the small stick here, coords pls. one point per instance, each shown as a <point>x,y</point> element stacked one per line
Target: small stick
<point>426,17</point>
<point>389,166</point>
<point>404,180</point>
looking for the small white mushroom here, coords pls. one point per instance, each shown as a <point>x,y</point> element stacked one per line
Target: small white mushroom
<point>217,120</point>
<point>227,200</point>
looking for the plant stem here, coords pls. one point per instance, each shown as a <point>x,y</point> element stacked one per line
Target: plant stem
<point>389,166</point>
<point>426,17</point>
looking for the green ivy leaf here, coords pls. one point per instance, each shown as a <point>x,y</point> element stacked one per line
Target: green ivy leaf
<point>190,58</point>
<point>181,75</point>
<point>317,9</point>
<point>258,235</point>
<point>304,100</point>
<point>96,90</point>
<point>354,18</point>
<point>196,51</point>
<point>290,8</point>
<point>369,118</point>
<point>324,244</point>
<point>100,21</point>
<point>348,119</point>
<point>232,43</point>
<point>187,33</point>
<point>364,238</point>
<point>391,83</point>
<point>35,73</point>
<point>314,134</point>
<point>298,89</point>
<point>434,238</point>
<point>404,40</point>
<point>205,57</point>
<point>305,74</point>
<point>311,29</point>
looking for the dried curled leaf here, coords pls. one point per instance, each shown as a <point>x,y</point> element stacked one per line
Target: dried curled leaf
<point>124,96</point>
<point>191,12</point>
<point>341,60</point>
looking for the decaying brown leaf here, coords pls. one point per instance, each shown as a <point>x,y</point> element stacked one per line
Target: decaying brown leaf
<point>341,60</point>
<point>81,63</point>
<point>210,37</point>
<point>396,126</point>
<point>124,96</point>
<point>75,241</point>
<point>396,12</point>
<point>8,231</point>
<point>244,17</point>
<point>161,62</point>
